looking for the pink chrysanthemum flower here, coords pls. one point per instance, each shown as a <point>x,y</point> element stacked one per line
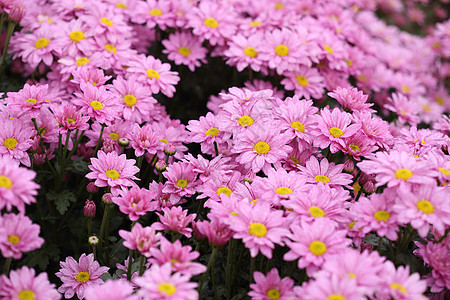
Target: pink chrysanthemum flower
<point>22,284</point>
<point>175,219</point>
<point>184,48</point>
<point>155,13</point>
<point>406,109</point>
<point>18,235</point>
<point>260,147</point>
<point>94,76</point>
<point>259,227</point>
<point>314,172</point>
<point>331,288</point>
<point>180,257</point>
<point>142,239</point>
<point>135,202</point>
<point>111,133</point>
<point>15,139</point>
<point>245,51</point>
<point>75,38</point>
<point>357,146</point>
<point>305,81</point>
<point>219,183</point>
<point>112,170</point>
<point>77,276</point>
<point>17,187</point>
<point>70,118</point>
<point>145,140</point>
<point>217,233</point>
<point>160,283</point>
<point>351,99</point>
<point>375,128</point>
<point>111,290</point>
<point>181,180</point>
<point>29,99</point>
<point>397,168</point>
<point>271,286</point>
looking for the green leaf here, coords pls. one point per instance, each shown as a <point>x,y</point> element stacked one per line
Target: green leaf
<point>62,200</point>
<point>106,276</point>
<point>80,166</point>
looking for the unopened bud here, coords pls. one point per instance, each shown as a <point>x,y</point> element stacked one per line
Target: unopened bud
<point>93,240</point>
<point>124,142</point>
<point>160,166</point>
<point>170,149</point>
<point>92,188</point>
<point>249,177</point>
<point>369,187</point>
<point>107,198</point>
<point>349,166</point>
<point>89,209</point>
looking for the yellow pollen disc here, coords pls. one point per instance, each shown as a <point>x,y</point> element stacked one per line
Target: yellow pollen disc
<point>96,105</point>
<point>13,239</point>
<point>336,132</point>
<point>26,295</point>
<point>356,187</point>
<point>224,190</point>
<point>382,215</point>
<point>362,78</point>
<point>349,62</point>
<point>273,294</point>
<point>111,48</point>
<point>336,297</point>
<point>254,24</point>
<point>182,183</point>
<point>279,5</point>
<point>440,100</point>
<point>31,100</point>
<point>328,49</point>
<point>403,174</point>
<point>211,23</point>
<point>41,43</point>
<point>246,121</point>
<point>113,174</point>
<point>301,80</point>
<point>444,171</point>
<point>251,52</point>
<point>426,108</point>
<point>164,141</point>
<point>106,21</point>
<point>257,229</point>
<point>316,212</point>
<point>405,89</point>
<point>414,155</point>
<point>351,275</point>
<point>354,147</point>
<point>70,121</point>
<point>184,51</point>
<point>82,61</point>
<point>298,126</point>
<point>10,143</point>
<point>167,288</point>
<point>121,5</point>
<point>113,136</point>
<point>76,36</point>
<point>155,12</point>
<point>129,100</point>
<point>212,131</point>
<point>322,178</point>
<point>281,50</point>
<point>233,213</point>
<point>317,248</point>
<point>295,160</point>
<point>152,74</point>
<point>5,182</point>
<point>425,206</point>
<point>398,287</point>
<point>282,190</point>
<point>83,277</point>
<point>351,225</point>
<point>261,148</point>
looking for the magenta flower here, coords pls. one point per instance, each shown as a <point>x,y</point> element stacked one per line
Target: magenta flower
<point>15,139</point>
<point>140,238</point>
<point>111,290</point>
<point>245,51</point>
<point>145,140</point>
<point>271,286</point>
<point>181,180</point>
<point>18,235</point>
<point>184,48</point>
<point>324,172</point>
<point>69,118</point>
<point>175,219</point>
<point>306,82</point>
<point>29,99</point>
<point>135,202</point>
<point>351,99</point>
<point>77,276</point>
<point>406,109</point>
<point>217,233</point>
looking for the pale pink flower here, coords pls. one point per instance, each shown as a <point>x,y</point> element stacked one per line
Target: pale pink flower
<point>29,99</point>
<point>155,13</point>
<point>324,172</point>
<point>135,202</point>
<point>217,233</point>
<point>374,128</point>
<point>305,82</point>
<point>181,180</point>
<point>406,109</point>
<point>91,75</point>
<point>271,286</point>
<point>145,140</point>
<point>184,48</point>
<point>175,219</point>
<point>142,239</point>
<point>15,139</point>
<point>69,118</point>
<point>329,287</point>
<point>245,51</point>
<point>351,99</point>
<point>111,290</point>
<point>358,145</point>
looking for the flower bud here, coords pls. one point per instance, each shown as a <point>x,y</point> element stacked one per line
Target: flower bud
<point>89,209</point>
<point>92,188</point>
<point>369,187</point>
<point>93,240</point>
<point>107,198</point>
<point>170,149</point>
<point>160,166</point>
<point>349,166</point>
<point>124,142</point>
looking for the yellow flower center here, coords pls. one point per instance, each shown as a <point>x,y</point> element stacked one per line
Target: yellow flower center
<point>167,288</point>
<point>32,101</point>
<point>251,52</point>
<point>273,294</point>
<point>182,183</point>
<point>351,275</point>
<point>336,132</point>
<point>444,171</point>
<point>113,174</point>
<point>316,212</point>
<point>211,22</point>
<point>301,80</point>
<point>96,105</point>
<point>121,5</point>
<point>129,100</point>
<point>164,141</point>
<point>224,190</point>
<point>246,121</point>
<point>354,147</point>
<point>281,50</point>
<point>76,36</point>
<point>425,206</point>
<point>398,287</point>
<point>349,62</point>
<point>336,297</point>
<point>106,21</point>
<point>403,174</point>
<point>10,143</point>
<point>212,131</point>
<point>152,74</point>
<point>83,277</point>
<point>298,126</point>
<point>254,24</point>
<point>111,48</point>
<point>382,215</point>
<point>295,160</point>
<point>113,136</point>
<point>440,100</point>
<point>233,213</point>
<point>279,6</point>
<point>405,89</point>
<point>82,61</point>
<point>258,229</point>
<point>356,187</point>
<point>317,248</point>
<point>184,51</point>
<point>328,49</point>
<point>26,295</point>
<point>322,178</point>
<point>5,182</point>
<point>282,190</point>
<point>155,12</point>
<point>351,225</point>
<point>70,121</point>
<point>41,43</point>
<point>13,239</point>
<point>261,148</point>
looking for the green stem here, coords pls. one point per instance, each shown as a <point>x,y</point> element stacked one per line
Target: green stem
<point>77,141</point>
<point>102,227</point>
<point>444,236</point>
<point>100,140</point>
<point>214,283</point>
<point>216,149</point>
<point>141,265</point>
<point>7,266</point>
<point>208,267</point>
<point>10,30</point>
<point>2,21</point>
<point>252,268</point>
<point>130,264</point>
<point>229,267</point>
<point>89,222</point>
<point>65,149</point>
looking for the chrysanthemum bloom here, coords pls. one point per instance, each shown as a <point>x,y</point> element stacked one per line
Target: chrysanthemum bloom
<point>180,257</point>
<point>96,102</point>
<point>305,81</point>
<point>145,140</point>
<point>217,233</point>
<point>77,276</point>
<point>29,99</point>
<point>406,109</point>
<point>22,284</point>
<point>17,187</point>
<point>160,284</point>
<point>219,183</point>
<point>91,75</point>
<point>351,99</point>
<point>260,147</point>
<point>75,38</point>
<point>175,219</point>
<point>154,13</point>
<point>397,168</point>
<point>112,170</point>
<point>422,206</point>
<point>15,139</point>
<point>69,118</point>
<point>135,202</point>
<point>142,239</point>
<point>271,286</point>
<point>111,290</point>
<point>153,73</point>
<point>314,242</point>
<point>184,48</point>
<point>331,288</point>
<point>111,133</point>
<point>18,235</point>
<point>374,128</point>
<point>181,180</point>
<point>358,145</point>
<point>244,51</point>
<point>332,127</point>
<point>314,172</point>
